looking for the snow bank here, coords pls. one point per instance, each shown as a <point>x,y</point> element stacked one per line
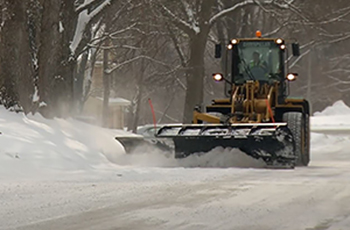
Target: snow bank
<point>37,147</point>
<point>34,145</point>
<point>332,120</point>
<point>338,108</point>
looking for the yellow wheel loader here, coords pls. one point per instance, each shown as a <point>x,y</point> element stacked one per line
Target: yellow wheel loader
<point>258,117</point>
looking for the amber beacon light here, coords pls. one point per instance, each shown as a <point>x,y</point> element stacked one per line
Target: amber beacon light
<point>258,34</point>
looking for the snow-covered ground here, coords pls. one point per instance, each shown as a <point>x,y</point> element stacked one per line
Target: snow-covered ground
<point>64,174</point>
<point>333,120</point>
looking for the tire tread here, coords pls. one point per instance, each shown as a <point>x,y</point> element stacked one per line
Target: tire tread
<point>297,125</point>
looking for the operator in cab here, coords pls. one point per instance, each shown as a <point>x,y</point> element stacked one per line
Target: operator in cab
<point>258,67</point>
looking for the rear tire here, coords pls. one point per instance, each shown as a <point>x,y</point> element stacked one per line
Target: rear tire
<point>299,126</point>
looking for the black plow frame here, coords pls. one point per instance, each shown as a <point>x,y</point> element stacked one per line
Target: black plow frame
<point>272,142</point>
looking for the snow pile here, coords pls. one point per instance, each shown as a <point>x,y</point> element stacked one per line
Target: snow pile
<point>338,108</point>
<point>332,120</point>
<point>34,145</point>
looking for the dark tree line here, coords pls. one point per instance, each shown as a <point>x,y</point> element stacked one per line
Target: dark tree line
<point>38,62</point>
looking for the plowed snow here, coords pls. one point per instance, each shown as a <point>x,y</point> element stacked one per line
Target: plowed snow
<point>64,174</point>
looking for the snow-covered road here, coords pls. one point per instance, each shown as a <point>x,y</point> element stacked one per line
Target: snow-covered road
<point>58,174</point>
<point>316,197</point>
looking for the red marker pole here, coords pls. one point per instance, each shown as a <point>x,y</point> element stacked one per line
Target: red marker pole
<point>153,114</point>
<point>270,111</point>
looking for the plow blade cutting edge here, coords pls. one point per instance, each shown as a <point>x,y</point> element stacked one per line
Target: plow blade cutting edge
<point>135,143</point>
<point>272,142</point>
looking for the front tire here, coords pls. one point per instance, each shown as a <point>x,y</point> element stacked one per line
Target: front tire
<point>307,140</point>
<point>299,126</point>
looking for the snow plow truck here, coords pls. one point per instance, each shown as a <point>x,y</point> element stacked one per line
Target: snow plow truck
<point>257,116</point>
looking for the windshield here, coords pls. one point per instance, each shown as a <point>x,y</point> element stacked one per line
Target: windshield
<point>258,60</point>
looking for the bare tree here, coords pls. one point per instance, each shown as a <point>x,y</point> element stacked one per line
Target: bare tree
<point>195,20</point>
<point>17,70</point>
<point>64,26</point>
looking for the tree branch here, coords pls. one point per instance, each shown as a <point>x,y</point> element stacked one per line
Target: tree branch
<point>229,10</point>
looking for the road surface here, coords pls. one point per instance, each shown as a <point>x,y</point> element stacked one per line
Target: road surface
<point>145,198</point>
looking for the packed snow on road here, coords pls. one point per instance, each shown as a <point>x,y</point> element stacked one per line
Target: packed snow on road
<point>65,174</point>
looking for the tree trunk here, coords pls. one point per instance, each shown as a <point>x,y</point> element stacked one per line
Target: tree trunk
<point>195,74</point>
<point>56,65</point>
<point>132,111</point>
<point>88,78</point>
<point>139,94</point>
<point>79,80</point>
<point>68,62</point>
<point>49,58</point>
<point>16,75</point>
<point>106,88</point>
<point>79,87</point>
<point>136,109</point>
<point>196,69</point>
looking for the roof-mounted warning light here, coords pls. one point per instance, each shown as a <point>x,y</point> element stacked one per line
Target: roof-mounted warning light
<point>258,34</point>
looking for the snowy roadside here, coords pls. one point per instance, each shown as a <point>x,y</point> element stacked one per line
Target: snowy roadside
<point>35,148</point>
<point>59,174</point>
<point>334,120</point>
<point>54,168</point>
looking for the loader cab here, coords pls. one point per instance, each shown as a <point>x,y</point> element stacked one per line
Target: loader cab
<point>257,59</point>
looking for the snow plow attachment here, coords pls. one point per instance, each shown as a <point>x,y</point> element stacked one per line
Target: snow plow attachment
<point>271,142</point>
<point>136,143</point>
<point>130,143</point>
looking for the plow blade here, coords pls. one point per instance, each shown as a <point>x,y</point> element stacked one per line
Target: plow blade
<point>271,142</point>
<point>130,143</point>
<point>135,143</point>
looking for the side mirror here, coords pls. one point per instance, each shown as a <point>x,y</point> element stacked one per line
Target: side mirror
<point>217,50</point>
<point>296,49</point>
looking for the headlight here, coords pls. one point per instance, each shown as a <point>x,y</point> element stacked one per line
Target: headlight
<point>291,77</point>
<point>279,41</point>
<point>218,77</point>
<point>234,41</point>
